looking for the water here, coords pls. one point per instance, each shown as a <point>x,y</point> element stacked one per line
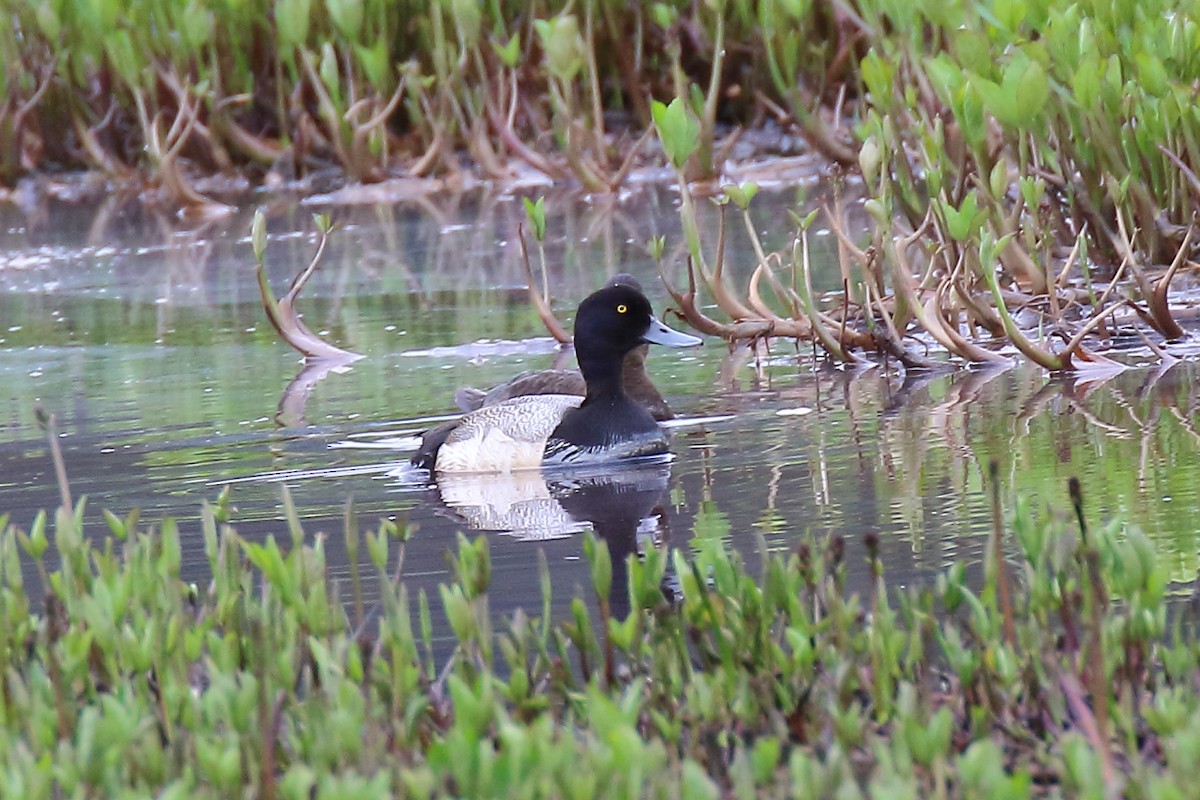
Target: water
<point>149,344</point>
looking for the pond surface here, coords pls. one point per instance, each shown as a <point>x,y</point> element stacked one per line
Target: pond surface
<point>149,344</point>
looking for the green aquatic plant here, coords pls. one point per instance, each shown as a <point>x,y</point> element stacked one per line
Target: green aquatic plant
<point>790,58</point>
<point>1059,117</point>
<point>972,149</point>
<point>282,312</point>
<point>1036,128</point>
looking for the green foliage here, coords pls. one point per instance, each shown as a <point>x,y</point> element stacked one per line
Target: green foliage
<point>1091,93</point>
<point>535,215</point>
<point>741,195</point>
<point>752,685</point>
<point>1093,98</point>
<point>562,45</point>
<point>378,87</point>
<point>677,129</point>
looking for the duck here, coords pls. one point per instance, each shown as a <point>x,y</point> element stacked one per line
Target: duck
<point>634,378</point>
<point>603,425</point>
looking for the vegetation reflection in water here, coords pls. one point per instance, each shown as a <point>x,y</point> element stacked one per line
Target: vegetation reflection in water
<point>167,387</point>
<point>168,411</point>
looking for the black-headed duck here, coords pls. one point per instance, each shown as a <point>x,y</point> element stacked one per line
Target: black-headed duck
<point>603,425</point>
<point>570,381</point>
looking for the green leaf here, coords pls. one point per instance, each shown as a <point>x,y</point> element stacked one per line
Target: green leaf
<point>1026,83</point>
<point>796,9</point>
<point>562,45</point>
<point>879,75</point>
<point>869,159</point>
<point>677,129</point>
<point>48,20</point>
<point>973,50</point>
<point>998,179</point>
<point>121,55</point>
<point>1085,85</point>
<point>1151,74</point>
<point>1009,14</point>
<point>298,782</point>
<point>510,53</point>
<point>963,221</point>
<point>600,561</point>
<point>657,245</point>
<point>37,541</point>
<point>741,195</point>
<point>1113,85</point>
<point>330,74</point>
<point>765,757</point>
<point>947,76</point>
<point>535,212</point>
<point>971,118</point>
<point>376,63</point>
<point>347,16</point>
<point>467,20</point>
<point>103,13</point>
<point>291,23</point>
<point>998,102</point>
<point>697,785</point>
<point>258,235</point>
<point>664,15</point>
<point>1033,190</point>
<point>195,23</point>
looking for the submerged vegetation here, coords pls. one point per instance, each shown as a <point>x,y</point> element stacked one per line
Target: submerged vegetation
<point>1058,673</point>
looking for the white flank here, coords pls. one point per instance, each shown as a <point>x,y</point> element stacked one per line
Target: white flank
<point>505,437</point>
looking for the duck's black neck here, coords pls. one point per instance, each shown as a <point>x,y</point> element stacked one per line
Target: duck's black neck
<point>602,374</point>
<point>607,415</point>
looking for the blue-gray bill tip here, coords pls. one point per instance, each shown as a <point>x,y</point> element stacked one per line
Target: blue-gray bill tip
<point>659,333</point>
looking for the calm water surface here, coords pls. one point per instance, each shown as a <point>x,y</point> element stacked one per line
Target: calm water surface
<point>148,343</point>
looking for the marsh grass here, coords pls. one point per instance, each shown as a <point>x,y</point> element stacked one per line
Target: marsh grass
<point>1010,150</point>
<point>1061,674</point>
<point>172,90</point>
<point>995,111</point>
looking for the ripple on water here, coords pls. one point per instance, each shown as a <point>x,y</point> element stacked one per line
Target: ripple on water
<point>165,403</point>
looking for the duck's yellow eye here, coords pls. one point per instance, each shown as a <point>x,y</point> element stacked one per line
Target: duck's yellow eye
<point>622,308</point>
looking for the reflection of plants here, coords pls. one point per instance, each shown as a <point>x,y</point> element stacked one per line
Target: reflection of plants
<point>778,684</point>
<point>1122,436</point>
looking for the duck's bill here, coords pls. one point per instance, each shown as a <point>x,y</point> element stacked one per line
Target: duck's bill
<point>659,333</point>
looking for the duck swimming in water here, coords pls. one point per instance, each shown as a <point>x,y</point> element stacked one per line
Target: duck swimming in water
<point>636,382</point>
<point>603,425</point>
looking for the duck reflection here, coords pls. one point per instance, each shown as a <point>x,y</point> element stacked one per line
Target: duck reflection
<point>622,505</point>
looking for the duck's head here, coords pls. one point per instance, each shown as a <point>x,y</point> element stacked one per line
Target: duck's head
<point>618,318</point>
